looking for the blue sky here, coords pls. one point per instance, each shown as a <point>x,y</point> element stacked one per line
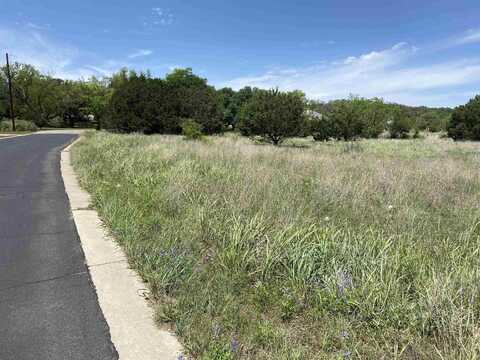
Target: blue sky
<point>424,52</point>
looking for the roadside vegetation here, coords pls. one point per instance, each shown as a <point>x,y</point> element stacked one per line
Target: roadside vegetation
<point>308,250</point>
<point>130,101</point>
<point>21,126</point>
<point>272,226</point>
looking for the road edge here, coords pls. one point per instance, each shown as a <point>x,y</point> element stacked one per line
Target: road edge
<point>14,136</point>
<point>119,288</point>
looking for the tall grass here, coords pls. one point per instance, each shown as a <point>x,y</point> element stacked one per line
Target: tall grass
<point>329,251</point>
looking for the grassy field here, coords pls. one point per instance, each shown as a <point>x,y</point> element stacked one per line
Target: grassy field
<point>316,251</point>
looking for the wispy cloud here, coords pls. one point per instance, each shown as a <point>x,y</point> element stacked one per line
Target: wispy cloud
<point>140,53</point>
<point>470,37</point>
<point>58,59</point>
<point>385,73</point>
<point>37,26</point>
<point>34,48</point>
<point>162,16</point>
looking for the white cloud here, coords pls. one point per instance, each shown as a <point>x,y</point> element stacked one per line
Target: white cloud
<point>140,53</point>
<point>33,48</point>
<point>59,60</point>
<point>385,73</point>
<point>470,37</point>
<point>37,27</point>
<point>161,17</point>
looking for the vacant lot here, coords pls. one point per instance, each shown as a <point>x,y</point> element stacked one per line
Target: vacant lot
<point>337,250</point>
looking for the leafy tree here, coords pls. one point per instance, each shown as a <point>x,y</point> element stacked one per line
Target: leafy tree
<point>373,115</point>
<point>274,115</point>
<point>97,96</point>
<point>4,97</point>
<point>194,99</point>
<point>229,106</point>
<point>465,123</point>
<point>36,96</point>
<point>321,127</point>
<point>346,119</point>
<point>232,102</point>
<point>400,124</point>
<point>128,104</point>
<point>142,103</point>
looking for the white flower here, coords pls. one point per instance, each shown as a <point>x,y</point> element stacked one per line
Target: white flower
<point>390,207</point>
<point>327,218</point>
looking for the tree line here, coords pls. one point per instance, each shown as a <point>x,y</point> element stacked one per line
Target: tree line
<point>131,101</point>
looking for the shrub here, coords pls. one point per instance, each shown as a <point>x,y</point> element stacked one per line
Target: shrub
<point>274,115</point>
<point>20,125</point>
<point>141,103</point>
<point>399,126</point>
<point>465,123</point>
<point>347,120</point>
<point>321,128</point>
<point>192,130</point>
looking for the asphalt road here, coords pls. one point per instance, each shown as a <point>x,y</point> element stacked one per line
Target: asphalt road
<point>48,307</point>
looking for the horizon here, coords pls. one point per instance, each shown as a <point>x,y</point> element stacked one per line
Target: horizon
<point>421,55</point>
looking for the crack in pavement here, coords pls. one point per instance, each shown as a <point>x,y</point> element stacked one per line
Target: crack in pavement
<point>29,283</point>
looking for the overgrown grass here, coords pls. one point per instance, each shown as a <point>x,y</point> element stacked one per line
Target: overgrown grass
<point>21,126</point>
<point>367,250</point>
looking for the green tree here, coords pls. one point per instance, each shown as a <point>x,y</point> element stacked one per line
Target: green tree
<point>141,103</point>
<point>373,115</point>
<point>399,124</point>
<point>128,104</point>
<point>274,115</point>
<point>346,119</point>
<point>320,126</point>
<point>97,97</point>
<point>465,123</point>
<point>193,98</point>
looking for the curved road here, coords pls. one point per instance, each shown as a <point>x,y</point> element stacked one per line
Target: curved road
<point>48,307</point>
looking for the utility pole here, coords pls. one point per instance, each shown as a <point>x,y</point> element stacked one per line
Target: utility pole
<point>10,90</point>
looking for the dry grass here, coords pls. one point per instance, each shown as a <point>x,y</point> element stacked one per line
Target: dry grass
<point>307,251</point>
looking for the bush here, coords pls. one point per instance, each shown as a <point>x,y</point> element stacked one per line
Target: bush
<point>347,120</point>
<point>274,115</point>
<point>20,125</point>
<point>321,128</point>
<point>143,104</point>
<point>400,125</point>
<point>192,130</point>
<point>465,123</point>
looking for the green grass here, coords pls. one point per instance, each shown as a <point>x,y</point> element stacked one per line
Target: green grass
<point>319,251</point>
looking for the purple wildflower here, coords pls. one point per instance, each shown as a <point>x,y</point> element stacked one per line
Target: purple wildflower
<point>235,346</point>
<point>345,282</point>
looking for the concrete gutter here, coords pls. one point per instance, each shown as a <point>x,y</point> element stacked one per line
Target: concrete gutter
<point>119,288</point>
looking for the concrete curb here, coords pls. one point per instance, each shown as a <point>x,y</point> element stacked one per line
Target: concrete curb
<point>119,289</point>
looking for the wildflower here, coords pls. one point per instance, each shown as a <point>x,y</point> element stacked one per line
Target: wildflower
<point>235,346</point>
<point>216,330</point>
<point>119,186</point>
<point>327,219</point>
<point>390,207</point>
<point>181,357</point>
<point>347,354</point>
<point>344,334</point>
<point>345,282</point>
